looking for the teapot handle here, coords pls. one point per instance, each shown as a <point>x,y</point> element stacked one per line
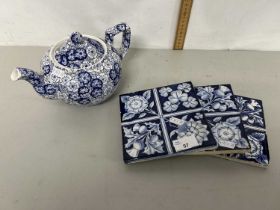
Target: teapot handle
<point>111,32</point>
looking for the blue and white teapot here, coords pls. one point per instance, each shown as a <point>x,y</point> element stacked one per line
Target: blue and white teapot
<point>82,69</point>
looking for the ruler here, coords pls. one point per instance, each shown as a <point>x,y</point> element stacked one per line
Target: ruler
<point>182,25</point>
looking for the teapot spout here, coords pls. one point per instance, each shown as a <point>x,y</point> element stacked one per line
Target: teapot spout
<point>24,74</point>
<point>36,80</point>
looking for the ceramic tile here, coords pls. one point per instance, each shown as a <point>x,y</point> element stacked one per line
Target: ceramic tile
<point>191,123</point>
<point>143,139</point>
<point>229,132</point>
<point>251,111</point>
<point>253,119</point>
<point>259,153</point>
<point>177,97</point>
<point>223,116</point>
<point>138,105</point>
<point>163,122</point>
<point>216,98</point>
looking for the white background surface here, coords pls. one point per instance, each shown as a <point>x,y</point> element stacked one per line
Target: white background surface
<point>214,24</point>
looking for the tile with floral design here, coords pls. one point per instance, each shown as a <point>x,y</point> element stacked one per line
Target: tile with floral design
<point>229,133</point>
<point>251,111</point>
<point>216,99</point>
<point>163,122</point>
<point>222,115</point>
<point>252,116</point>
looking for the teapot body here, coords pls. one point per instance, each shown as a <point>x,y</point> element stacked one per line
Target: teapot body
<point>82,70</point>
<point>88,85</point>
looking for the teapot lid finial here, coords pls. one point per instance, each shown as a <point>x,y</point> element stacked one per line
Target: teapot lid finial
<point>76,38</point>
<point>79,51</point>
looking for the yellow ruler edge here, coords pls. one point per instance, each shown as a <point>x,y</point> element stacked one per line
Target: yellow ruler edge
<point>182,24</point>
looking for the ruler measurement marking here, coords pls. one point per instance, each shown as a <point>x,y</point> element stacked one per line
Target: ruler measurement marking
<point>182,25</point>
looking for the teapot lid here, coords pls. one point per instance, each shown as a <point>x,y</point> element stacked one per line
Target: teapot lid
<point>78,51</point>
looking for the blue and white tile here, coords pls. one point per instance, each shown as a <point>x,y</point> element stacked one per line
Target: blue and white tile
<point>223,116</point>
<point>259,152</point>
<point>251,111</point>
<point>216,98</point>
<point>138,105</point>
<point>177,97</point>
<point>228,132</point>
<point>143,140</point>
<point>254,122</point>
<point>189,132</point>
<point>147,130</point>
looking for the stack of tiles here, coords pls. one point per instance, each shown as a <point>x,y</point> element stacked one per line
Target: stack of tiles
<point>163,122</point>
<point>179,119</point>
<point>252,116</point>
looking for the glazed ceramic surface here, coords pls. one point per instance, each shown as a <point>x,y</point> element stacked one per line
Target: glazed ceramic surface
<point>163,122</point>
<point>223,117</point>
<point>81,69</point>
<point>253,119</point>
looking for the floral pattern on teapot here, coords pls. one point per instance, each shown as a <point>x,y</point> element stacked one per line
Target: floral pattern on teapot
<point>79,52</point>
<point>82,70</point>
